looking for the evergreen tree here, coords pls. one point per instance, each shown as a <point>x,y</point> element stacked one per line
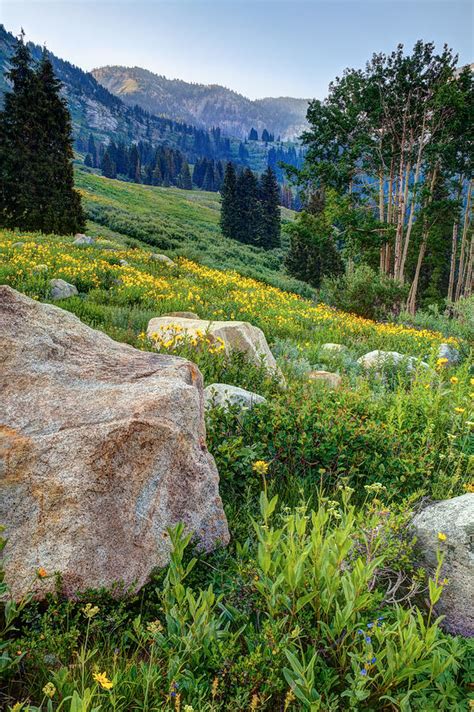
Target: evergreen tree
<point>36,178</point>
<point>248,209</point>
<point>312,254</point>
<point>109,169</point>
<point>88,161</point>
<point>253,135</point>
<point>185,181</point>
<point>229,202</point>
<point>270,210</point>
<point>91,150</point>
<point>265,136</point>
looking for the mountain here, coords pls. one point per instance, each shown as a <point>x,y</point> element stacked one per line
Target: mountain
<point>204,105</point>
<point>96,110</point>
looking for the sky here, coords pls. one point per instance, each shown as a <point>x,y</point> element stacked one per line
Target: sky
<point>256,47</point>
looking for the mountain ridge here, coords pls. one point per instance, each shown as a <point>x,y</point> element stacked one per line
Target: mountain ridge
<point>205,105</point>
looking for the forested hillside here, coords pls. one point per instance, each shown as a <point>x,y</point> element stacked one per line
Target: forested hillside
<point>205,105</point>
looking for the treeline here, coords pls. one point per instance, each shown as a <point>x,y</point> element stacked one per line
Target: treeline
<point>36,176</point>
<point>250,211</point>
<point>278,157</point>
<point>392,146</point>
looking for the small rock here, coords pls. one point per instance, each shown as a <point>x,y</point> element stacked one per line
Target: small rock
<point>18,244</point>
<point>333,380</point>
<point>37,269</point>
<point>124,263</point>
<point>381,359</point>
<point>454,518</point>
<point>334,349</point>
<point>183,315</point>
<point>224,395</point>
<point>162,258</point>
<point>80,239</point>
<point>61,289</point>
<point>449,352</point>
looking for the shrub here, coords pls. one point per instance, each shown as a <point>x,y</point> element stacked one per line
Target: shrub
<point>365,292</point>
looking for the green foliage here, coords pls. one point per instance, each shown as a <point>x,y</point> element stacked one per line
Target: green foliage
<point>312,254</point>
<point>365,292</point>
<point>36,179</point>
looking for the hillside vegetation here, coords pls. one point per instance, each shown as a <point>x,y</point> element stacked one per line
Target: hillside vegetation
<point>317,486</point>
<point>181,222</point>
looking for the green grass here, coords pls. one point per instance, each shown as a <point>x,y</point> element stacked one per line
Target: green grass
<point>178,222</point>
<point>270,623</point>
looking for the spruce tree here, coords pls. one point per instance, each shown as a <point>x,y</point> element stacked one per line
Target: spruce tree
<point>109,169</point>
<point>185,181</point>
<point>36,178</point>
<point>228,202</point>
<point>253,135</point>
<point>248,209</point>
<point>270,210</point>
<point>312,254</point>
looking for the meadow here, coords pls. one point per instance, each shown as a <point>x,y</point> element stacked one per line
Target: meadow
<point>301,610</point>
<point>182,222</point>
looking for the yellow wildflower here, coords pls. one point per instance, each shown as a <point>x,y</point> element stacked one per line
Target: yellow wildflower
<point>260,467</point>
<point>459,410</point>
<point>102,679</point>
<point>42,573</point>
<point>90,611</point>
<point>454,379</point>
<point>441,536</point>
<point>49,690</point>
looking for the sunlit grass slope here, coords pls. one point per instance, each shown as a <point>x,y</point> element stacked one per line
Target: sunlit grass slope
<point>180,222</point>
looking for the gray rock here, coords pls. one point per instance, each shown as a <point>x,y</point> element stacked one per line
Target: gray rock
<point>81,239</point>
<point>232,335</point>
<point>379,360</point>
<point>183,315</point>
<point>454,518</point>
<point>224,395</point>
<point>449,352</point>
<point>18,244</point>
<point>124,263</point>
<point>162,258</point>
<point>103,449</point>
<point>61,289</point>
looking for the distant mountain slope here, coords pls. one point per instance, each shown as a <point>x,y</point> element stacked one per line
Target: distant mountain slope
<point>204,105</point>
<point>95,109</point>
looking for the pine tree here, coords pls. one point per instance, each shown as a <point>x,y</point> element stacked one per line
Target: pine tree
<point>36,179</point>
<point>228,202</point>
<point>248,209</point>
<point>253,135</point>
<point>88,161</point>
<point>270,210</point>
<point>109,169</point>
<point>265,136</point>
<point>185,181</point>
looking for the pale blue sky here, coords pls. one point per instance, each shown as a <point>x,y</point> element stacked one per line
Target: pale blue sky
<point>257,47</point>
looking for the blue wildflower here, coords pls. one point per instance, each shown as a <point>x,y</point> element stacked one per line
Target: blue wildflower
<point>374,660</point>
<point>368,639</point>
<point>370,625</point>
<point>363,671</point>
<point>361,632</point>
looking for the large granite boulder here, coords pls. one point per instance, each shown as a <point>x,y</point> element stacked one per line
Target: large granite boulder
<point>224,395</point>
<point>103,450</point>
<point>235,335</point>
<point>453,519</point>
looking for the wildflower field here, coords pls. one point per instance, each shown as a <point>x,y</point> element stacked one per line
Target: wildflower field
<point>318,602</point>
